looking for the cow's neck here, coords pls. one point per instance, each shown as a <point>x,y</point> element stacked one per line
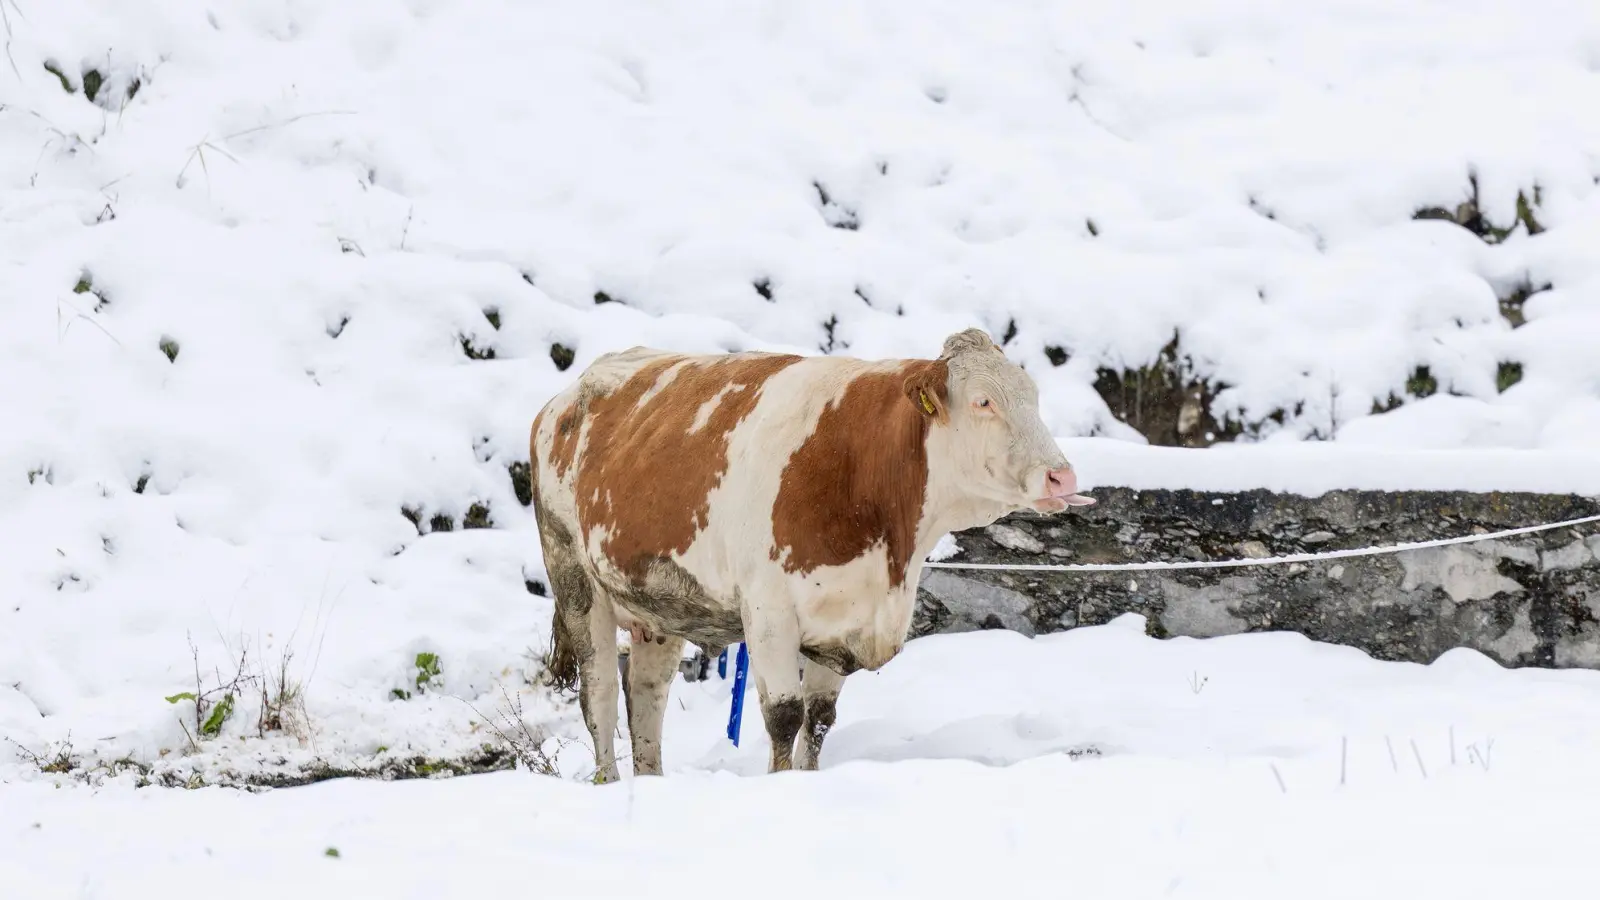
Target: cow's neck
<point>949,506</point>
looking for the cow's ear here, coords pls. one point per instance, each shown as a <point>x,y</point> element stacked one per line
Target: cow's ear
<point>926,389</point>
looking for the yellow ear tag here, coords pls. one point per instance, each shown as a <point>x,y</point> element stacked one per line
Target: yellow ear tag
<point>926,403</point>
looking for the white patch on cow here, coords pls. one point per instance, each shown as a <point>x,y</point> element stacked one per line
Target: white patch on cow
<point>666,378</point>
<point>704,413</point>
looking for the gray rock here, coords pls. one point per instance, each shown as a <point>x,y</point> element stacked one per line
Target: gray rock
<point>1530,600</point>
<point>1572,556</point>
<point>1012,537</point>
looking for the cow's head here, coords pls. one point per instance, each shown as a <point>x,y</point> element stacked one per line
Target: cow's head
<point>990,407</point>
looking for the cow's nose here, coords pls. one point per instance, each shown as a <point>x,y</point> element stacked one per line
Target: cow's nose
<point>1060,482</point>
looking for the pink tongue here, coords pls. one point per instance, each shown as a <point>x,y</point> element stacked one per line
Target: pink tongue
<point>1078,500</point>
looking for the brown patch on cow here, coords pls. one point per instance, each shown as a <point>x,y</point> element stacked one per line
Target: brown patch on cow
<point>533,447</point>
<point>564,443</point>
<point>927,384</point>
<point>860,478</point>
<point>645,476</point>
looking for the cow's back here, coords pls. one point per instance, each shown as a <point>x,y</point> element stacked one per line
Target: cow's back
<point>627,457</point>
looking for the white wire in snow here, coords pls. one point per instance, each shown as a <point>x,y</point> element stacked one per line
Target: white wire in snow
<point>1264,561</point>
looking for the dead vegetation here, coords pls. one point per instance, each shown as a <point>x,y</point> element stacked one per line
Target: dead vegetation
<point>525,743</point>
<point>280,698</point>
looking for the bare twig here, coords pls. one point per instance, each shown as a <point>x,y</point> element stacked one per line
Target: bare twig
<point>1418,754</point>
<point>525,743</point>
<point>198,152</point>
<point>323,604</point>
<point>56,761</point>
<point>1279,775</point>
<point>1393,760</point>
<point>224,693</point>
<point>1481,755</point>
<point>282,702</point>
<point>5,18</point>
<point>193,744</point>
<point>289,121</point>
<point>61,330</point>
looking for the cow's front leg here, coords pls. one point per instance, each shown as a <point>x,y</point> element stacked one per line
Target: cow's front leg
<point>821,691</point>
<point>775,663</point>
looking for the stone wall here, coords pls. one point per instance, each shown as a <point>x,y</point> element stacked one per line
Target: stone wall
<point>1528,600</point>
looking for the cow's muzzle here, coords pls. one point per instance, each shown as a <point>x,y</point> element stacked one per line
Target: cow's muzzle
<point>1061,491</point>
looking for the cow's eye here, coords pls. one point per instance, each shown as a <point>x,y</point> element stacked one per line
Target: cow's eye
<point>983,402</point>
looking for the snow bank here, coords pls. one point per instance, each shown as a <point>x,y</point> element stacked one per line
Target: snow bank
<point>278,302</point>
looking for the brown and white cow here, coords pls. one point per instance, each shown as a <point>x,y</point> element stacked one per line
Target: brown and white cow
<point>785,501</point>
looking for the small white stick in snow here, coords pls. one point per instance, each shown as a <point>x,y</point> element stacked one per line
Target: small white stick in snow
<point>1393,760</point>
<point>1418,754</point>
<point>1344,755</point>
<point>1279,775</point>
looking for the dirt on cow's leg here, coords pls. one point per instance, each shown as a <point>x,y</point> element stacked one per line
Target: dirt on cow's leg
<point>821,689</point>
<point>783,715</point>
<point>597,693</point>
<point>651,668</point>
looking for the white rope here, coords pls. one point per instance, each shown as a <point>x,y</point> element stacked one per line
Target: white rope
<point>1264,561</point>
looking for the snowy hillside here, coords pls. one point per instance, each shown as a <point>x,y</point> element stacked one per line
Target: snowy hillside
<point>283,283</point>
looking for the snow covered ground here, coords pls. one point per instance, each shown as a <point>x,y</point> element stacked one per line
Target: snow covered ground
<point>1248,766</point>
<point>278,303</point>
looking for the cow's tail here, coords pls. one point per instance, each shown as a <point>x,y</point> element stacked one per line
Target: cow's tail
<point>561,661</point>
<point>570,591</point>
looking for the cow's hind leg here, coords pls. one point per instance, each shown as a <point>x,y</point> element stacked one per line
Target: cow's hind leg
<point>652,665</point>
<point>586,641</point>
<point>583,648</point>
<point>821,690</point>
<point>597,696</point>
